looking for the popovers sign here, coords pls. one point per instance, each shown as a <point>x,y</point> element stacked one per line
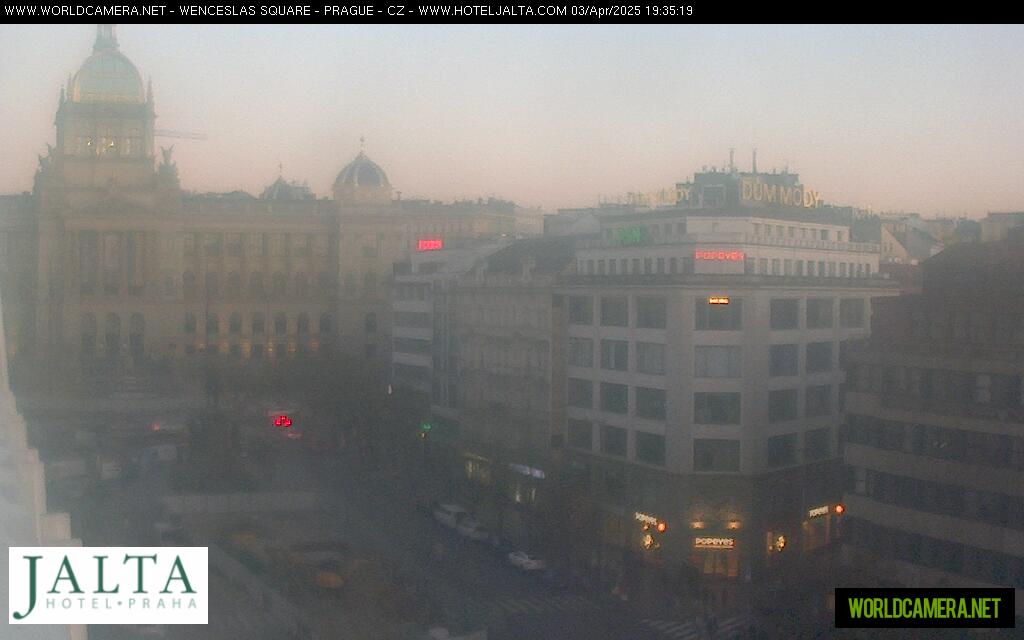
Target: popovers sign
<point>108,585</point>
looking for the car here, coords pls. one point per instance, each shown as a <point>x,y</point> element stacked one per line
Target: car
<point>450,515</point>
<point>526,562</point>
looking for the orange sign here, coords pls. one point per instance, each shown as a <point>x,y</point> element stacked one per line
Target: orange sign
<point>732,256</point>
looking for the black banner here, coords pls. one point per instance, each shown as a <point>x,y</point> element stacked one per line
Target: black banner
<point>912,608</point>
<point>513,12</point>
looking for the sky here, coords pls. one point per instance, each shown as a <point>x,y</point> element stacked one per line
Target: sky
<point>893,118</point>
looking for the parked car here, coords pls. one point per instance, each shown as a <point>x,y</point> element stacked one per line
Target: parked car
<point>450,515</point>
<point>526,562</point>
<point>476,531</point>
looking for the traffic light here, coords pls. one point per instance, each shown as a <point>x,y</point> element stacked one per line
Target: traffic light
<point>839,509</point>
<point>282,421</point>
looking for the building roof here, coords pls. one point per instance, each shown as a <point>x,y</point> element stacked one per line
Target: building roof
<point>281,189</point>
<point>550,255</point>
<point>362,172</point>
<point>107,76</point>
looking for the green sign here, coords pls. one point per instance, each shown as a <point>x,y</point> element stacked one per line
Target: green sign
<point>633,236</point>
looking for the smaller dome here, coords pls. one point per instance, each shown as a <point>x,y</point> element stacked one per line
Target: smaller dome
<point>362,172</point>
<point>284,190</point>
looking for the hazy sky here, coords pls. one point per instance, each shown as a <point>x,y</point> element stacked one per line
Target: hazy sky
<point>927,119</point>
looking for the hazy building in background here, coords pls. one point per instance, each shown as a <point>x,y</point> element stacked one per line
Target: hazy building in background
<point>996,225</point>
<point>933,439</point>
<point>109,262</point>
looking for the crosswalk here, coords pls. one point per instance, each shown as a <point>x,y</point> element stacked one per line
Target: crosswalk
<point>728,628</point>
<point>538,605</point>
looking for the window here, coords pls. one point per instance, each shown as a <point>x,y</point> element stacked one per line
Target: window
<point>614,397</point>
<point>301,285</point>
<point>782,450</point>
<point>581,434</point>
<point>818,400</point>
<point>190,324</point>
<point>615,311</point>
<point>256,285</point>
<point>784,358</point>
<point>650,358</point>
<point>279,283</point>
<point>716,408</point>
<point>580,393</point>
<point>302,324</point>
<point>719,317</point>
<point>188,285</point>
<point>650,313</point>
<point>819,313</point>
<point>370,323</point>
<point>326,324</point>
<point>581,310</point>
<point>212,284</point>
<point>716,455</point>
<point>235,323</point>
<point>817,444</point>
<point>819,357</point>
<point>615,355</point>
<point>650,448</point>
<point>782,405</point>
<point>613,441</point>
<point>851,312</point>
<point>212,324</point>
<point>211,244</point>
<point>717,361</point>
<point>581,352</point>
<point>650,403</point>
<point>234,242</point>
<point>785,314</point>
<point>258,324</point>
<point>280,325</point>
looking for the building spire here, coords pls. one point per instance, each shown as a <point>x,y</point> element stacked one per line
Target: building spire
<point>106,38</point>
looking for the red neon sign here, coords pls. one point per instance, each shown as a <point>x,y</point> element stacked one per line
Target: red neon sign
<point>734,256</point>
<point>429,244</point>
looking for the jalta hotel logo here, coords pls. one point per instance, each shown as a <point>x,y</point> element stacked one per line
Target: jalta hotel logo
<point>108,585</point>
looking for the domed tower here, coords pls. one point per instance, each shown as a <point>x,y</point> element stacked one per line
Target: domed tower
<point>105,122</point>
<point>362,182</point>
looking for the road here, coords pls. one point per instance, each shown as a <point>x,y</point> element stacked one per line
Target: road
<point>470,584</point>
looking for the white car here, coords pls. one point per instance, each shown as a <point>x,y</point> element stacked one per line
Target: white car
<point>525,561</point>
<point>450,515</point>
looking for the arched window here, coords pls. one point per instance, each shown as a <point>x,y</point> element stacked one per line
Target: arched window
<point>112,334</point>
<point>234,284</point>
<point>370,323</point>
<point>280,324</point>
<point>87,328</point>
<point>235,323</point>
<point>212,324</point>
<point>137,334</point>
<point>279,284</point>
<point>190,323</point>
<point>301,285</point>
<point>302,324</point>
<point>256,285</point>
<point>188,285</point>
<point>258,324</point>
<point>326,324</point>
<point>212,284</point>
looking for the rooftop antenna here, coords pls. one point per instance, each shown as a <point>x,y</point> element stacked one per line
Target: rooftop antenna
<point>732,163</point>
<point>753,167</point>
<point>362,144</point>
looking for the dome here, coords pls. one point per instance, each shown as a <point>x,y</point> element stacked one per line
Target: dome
<point>284,190</point>
<point>107,75</point>
<point>362,172</point>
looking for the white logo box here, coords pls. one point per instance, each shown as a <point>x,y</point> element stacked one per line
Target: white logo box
<point>139,585</point>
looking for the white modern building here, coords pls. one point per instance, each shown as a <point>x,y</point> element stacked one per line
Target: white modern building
<point>704,385</point>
